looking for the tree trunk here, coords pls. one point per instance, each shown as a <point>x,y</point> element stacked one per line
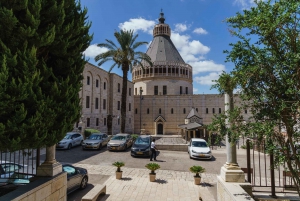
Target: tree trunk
<point>124,97</point>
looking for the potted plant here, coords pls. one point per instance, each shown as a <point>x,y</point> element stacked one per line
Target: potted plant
<point>197,170</point>
<point>118,172</point>
<point>152,167</point>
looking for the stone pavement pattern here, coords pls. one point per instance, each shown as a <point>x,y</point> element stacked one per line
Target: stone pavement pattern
<point>135,185</point>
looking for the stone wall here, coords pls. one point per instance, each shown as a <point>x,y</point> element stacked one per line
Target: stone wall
<point>42,189</point>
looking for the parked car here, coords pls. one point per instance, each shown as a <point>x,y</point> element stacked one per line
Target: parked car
<point>120,141</point>
<point>95,141</point>
<point>142,146</point>
<point>71,139</point>
<point>7,169</point>
<point>77,178</point>
<point>198,148</point>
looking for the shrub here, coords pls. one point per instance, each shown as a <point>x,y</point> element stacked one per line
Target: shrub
<point>197,170</point>
<point>134,136</point>
<point>118,165</point>
<point>89,131</point>
<point>152,167</point>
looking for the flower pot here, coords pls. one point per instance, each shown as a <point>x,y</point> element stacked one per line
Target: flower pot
<point>152,177</point>
<point>197,180</point>
<point>119,175</point>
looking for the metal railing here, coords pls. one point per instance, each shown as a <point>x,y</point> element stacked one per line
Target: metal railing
<point>262,176</point>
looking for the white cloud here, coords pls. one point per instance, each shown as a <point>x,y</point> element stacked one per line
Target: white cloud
<point>94,50</point>
<point>195,90</point>
<point>200,31</point>
<point>137,24</point>
<point>180,27</point>
<point>245,4</point>
<point>190,51</point>
<point>206,66</point>
<point>207,79</point>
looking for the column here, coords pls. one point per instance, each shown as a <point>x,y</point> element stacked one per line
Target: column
<point>231,172</point>
<point>50,167</point>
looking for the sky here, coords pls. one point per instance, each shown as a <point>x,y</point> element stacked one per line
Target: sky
<point>199,31</point>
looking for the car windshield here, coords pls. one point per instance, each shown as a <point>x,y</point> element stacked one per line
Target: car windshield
<point>143,140</point>
<point>199,144</point>
<point>68,137</point>
<point>94,137</point>
<point>118,138</point>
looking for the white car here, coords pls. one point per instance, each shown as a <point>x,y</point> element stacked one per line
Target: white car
<point>198,148</point>
<point>71,139</point>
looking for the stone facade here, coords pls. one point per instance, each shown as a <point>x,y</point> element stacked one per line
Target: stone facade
<point>100,97</point>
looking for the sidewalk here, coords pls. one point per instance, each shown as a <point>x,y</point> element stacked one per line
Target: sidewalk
<point>135,185</point>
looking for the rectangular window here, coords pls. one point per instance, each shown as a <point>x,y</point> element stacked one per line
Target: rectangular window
<point>135,91</point>
<point>206,110</point>
<point>104,104</point>
<point>155,90</point>
<point>118,105</point>
<point>213,110</point>
<point>87,103</point>
<point>136,111</point>
<point>97,83</point>
<point>104,85</point>
<point>97,103</point>
<point>87,122</point>
<point>104,121</point>
<point>164,90</point>
<point>186,90</point>
<point>88,80</point>
<point>118,121</point>
<point>219,110</point>
<point>97,121</point>
<point>129,107</point>
<point>119,87</point>
<point>246,111</point>
<point>180,89</point>
<point>129,91</point>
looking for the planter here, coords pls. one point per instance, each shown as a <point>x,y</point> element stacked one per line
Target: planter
<point>119,175</point>
<point>197,180</point>
<point>152,177</point>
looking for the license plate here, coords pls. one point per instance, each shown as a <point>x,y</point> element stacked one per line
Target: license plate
<point>202,155</point>
<point>139,152</point>
<point>113,148</point>
<point>88,146</point>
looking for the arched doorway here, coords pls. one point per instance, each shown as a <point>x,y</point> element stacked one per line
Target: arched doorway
<point>160,129</point>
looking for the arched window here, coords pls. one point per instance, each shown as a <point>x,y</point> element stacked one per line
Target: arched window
<point>172,111</point>
<point>183,110</point>
<point>148,111</point>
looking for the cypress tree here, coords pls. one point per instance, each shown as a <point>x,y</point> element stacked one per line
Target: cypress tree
<point>41,70</point>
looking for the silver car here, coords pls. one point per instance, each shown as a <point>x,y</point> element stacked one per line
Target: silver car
<point>95,141</point>
<point>77,177</point>
<point>120,141</point>
<point>71,139</point>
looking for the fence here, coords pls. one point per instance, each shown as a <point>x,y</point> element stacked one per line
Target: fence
<point>262,176</point>
<point>19,164</point>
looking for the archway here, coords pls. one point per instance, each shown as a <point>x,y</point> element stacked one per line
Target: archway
<point>160,129</point>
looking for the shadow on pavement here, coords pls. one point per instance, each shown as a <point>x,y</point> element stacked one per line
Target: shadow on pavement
<point>126,178</point>
<point>78,194</point>
<point>161,181</point>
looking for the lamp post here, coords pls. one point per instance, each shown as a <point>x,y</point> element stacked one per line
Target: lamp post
<point>141,98</point>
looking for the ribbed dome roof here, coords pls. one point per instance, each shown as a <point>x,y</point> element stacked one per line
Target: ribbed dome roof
<point>163,49</point>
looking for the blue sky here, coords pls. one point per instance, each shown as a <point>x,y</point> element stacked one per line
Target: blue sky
<point>198,29</point>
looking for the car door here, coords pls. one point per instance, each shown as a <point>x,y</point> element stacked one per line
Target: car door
<point>72,177</point>
<point>104,139</point>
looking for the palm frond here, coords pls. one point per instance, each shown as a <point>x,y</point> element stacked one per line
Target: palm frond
<point>110,69</point>
<point>108,46</point>
<point>104,60</point>
<point>138,44</point>
<point>112,43</point>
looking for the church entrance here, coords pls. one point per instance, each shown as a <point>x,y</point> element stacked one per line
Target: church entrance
<point>160,128</point>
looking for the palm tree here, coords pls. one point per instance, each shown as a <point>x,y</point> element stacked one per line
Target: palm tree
<point>125,57</point>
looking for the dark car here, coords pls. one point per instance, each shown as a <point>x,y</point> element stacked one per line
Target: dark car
<point>119,141</point>
<point>7,168</point>
<point>77,177</point>
<point>141,146</point>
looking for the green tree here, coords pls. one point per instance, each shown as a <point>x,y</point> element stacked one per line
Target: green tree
<point>267,71</point>
<point>41,70</point>
<point>124,56</point>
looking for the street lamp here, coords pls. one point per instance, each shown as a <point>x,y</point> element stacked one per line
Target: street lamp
<point>141,98</point>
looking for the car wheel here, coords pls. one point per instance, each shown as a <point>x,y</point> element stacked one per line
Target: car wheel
<point>83,183</point>
<point>70,146</point>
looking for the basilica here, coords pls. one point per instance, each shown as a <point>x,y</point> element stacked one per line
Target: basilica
<point>160,97</point>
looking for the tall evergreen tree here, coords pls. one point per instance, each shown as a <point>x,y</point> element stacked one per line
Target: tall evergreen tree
<point>41,70</point>
<point>124,56</point>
